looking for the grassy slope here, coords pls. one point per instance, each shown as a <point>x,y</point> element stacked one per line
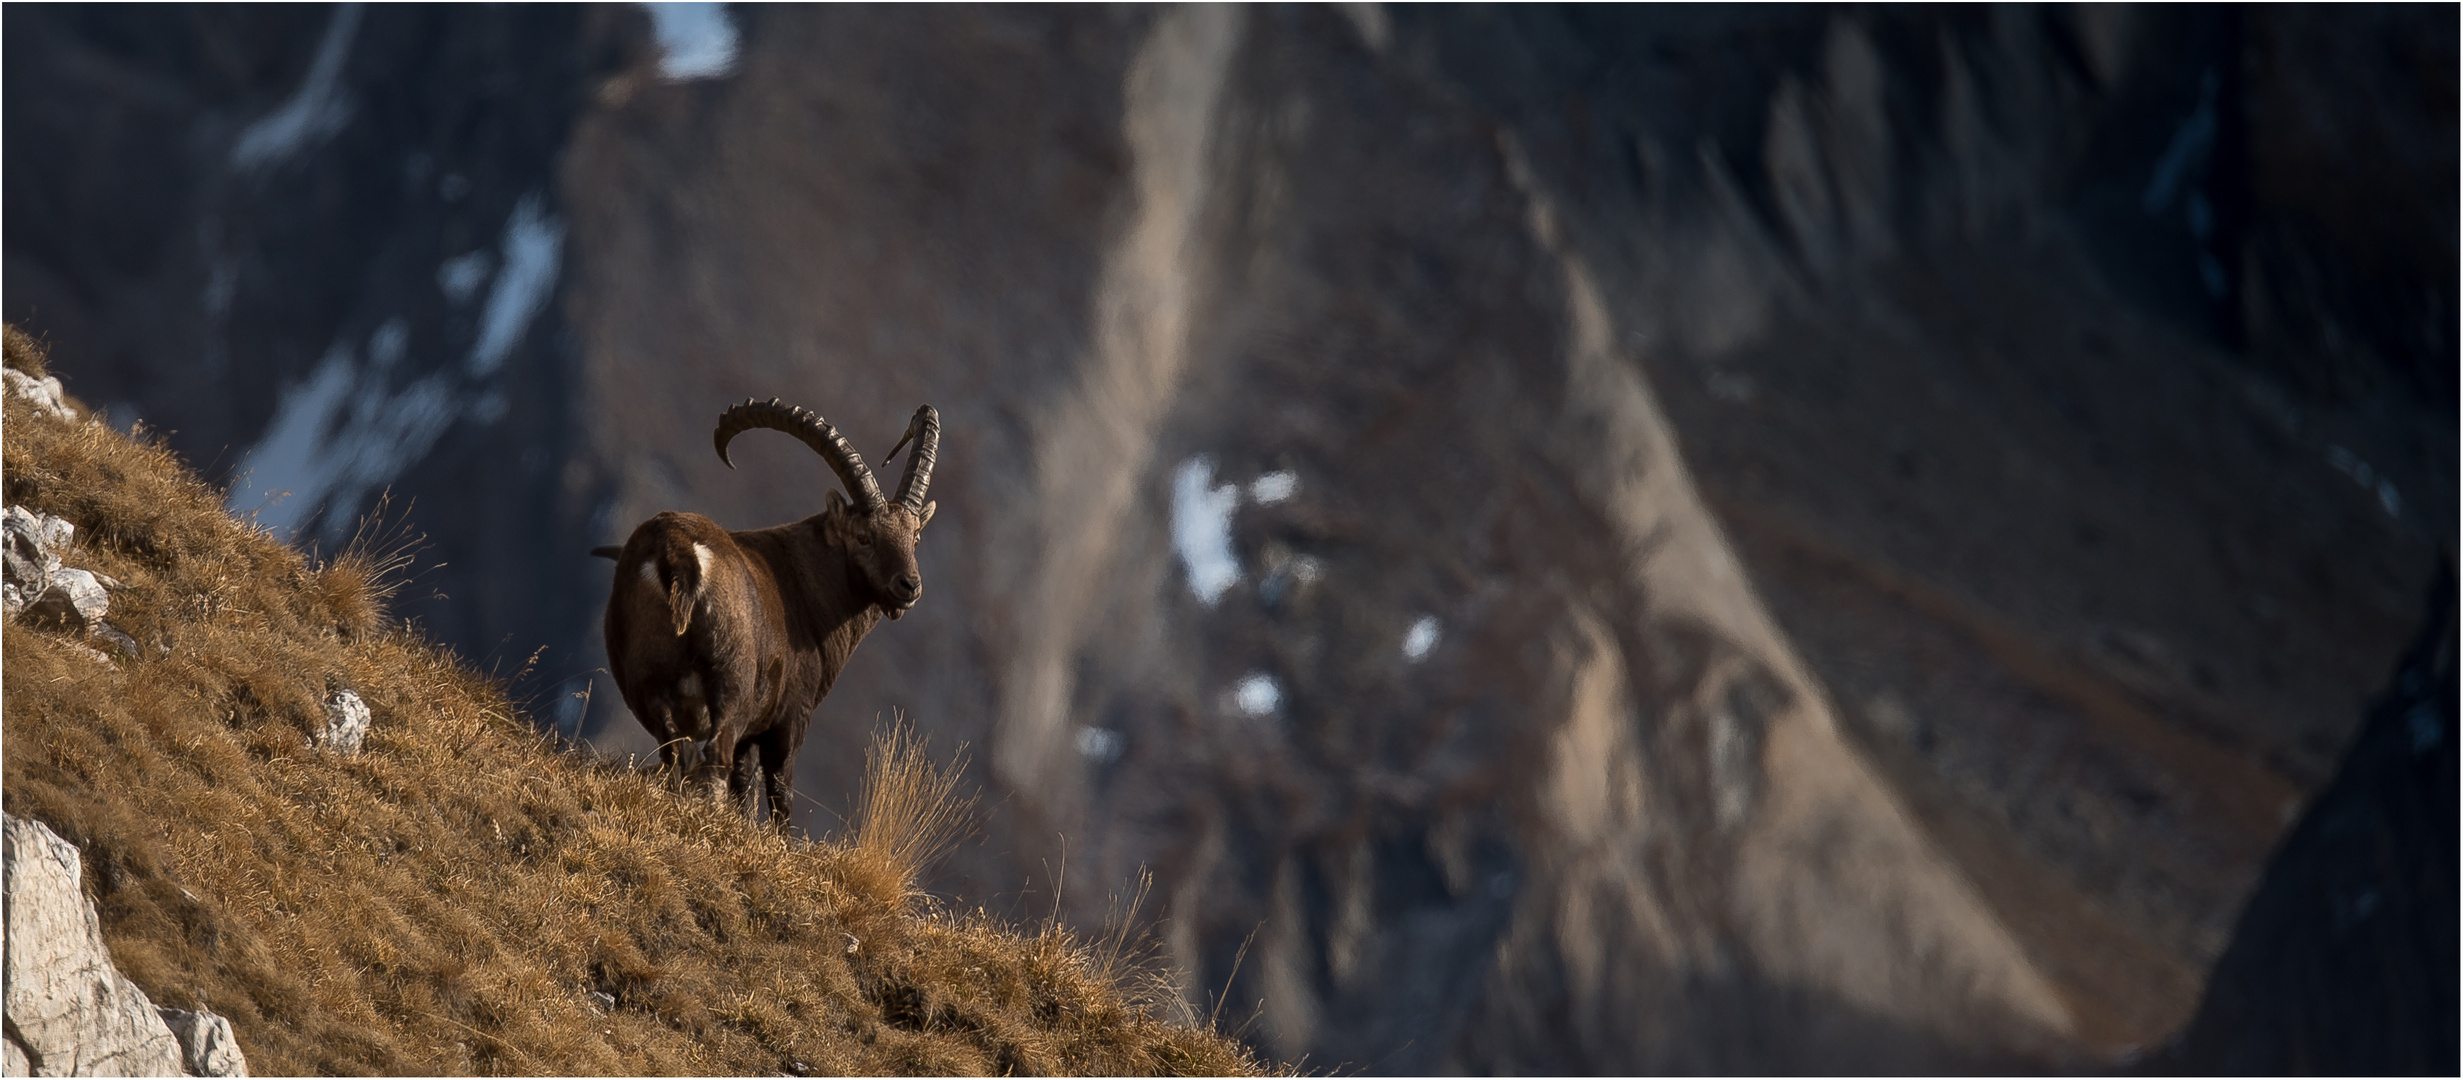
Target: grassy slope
<point>448,901</point>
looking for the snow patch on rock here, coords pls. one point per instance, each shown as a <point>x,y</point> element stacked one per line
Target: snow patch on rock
<point>1201,527</point>
<point>696,41</point>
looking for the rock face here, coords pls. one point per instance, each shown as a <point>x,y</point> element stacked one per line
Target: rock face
<point>70,1012</point>
<point>2344,961</point>
<point>1600,540</point>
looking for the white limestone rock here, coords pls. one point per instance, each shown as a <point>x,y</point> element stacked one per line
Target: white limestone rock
<point>70,1012</point>
<point>44,393</point>
<point>35,582</point>
<point>76,599</point>
<point>41,532</point>
<point>29,546</point>
<point>346,722</point>
<point>205,1042</point>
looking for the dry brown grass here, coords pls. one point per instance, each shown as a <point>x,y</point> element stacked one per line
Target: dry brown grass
<point>910,811</point>
<point>22,352</point>
<point>449,900</point>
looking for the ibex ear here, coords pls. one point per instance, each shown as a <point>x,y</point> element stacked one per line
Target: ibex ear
<point>925,518</point>
<point>836,504</point>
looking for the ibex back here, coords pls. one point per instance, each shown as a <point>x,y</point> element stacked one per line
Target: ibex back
<point>733,638</point>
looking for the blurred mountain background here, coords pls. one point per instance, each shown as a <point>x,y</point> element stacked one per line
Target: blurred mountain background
<point>1590,539</point>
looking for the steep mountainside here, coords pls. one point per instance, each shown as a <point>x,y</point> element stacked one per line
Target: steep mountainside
<point>299,814</point>
<point>1600,539</point>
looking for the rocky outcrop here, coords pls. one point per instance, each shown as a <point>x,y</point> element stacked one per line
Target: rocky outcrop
<point>70,1012</point>
<point>41,391</point>
<point>31,540</point>
<point>38,586</point>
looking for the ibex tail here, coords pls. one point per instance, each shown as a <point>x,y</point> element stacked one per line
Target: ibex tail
<point>684,566</point>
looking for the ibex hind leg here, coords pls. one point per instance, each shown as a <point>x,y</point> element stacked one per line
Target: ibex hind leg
<point>778,747</point>
<point>743,785</point>
<point>681,761</point>
<point>712,775</point>
<point>724,759</point>
<point>675,751</point>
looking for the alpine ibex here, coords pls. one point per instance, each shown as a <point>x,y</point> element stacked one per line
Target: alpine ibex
<point>735,637</point>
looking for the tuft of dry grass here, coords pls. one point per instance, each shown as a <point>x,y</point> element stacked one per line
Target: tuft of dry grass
<point>358,584</point>
<point>910,813</point>
<point>464,896</point>
<point>19,350</point>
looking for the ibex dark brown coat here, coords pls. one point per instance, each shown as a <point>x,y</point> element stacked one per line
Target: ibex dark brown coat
<point>734,637</point>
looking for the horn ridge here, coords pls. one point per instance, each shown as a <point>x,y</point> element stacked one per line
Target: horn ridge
<point>812,431</point>
<point>925,431</point>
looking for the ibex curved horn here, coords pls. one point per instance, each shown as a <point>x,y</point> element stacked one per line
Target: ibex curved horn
<point>925,432</point>
<point>814,432</point>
